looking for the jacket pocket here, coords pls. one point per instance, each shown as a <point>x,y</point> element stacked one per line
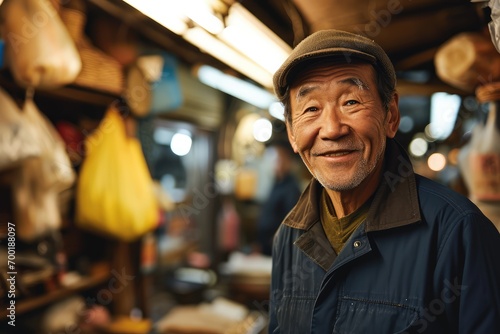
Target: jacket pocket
<point>357,315</point>
<point>294,315</point>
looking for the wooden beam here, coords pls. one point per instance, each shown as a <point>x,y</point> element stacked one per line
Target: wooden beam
<point>405,87</point>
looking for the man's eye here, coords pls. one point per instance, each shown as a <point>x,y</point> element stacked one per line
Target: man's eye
<point>351,102</point>
<point>311,109</point>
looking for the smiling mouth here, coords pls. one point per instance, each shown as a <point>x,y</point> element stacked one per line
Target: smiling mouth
<point>336,154</point>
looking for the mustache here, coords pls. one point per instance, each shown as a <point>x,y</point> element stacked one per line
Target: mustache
<point>338,147</point>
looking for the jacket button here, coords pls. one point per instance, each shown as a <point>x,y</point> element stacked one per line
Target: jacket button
<point>357,243</point>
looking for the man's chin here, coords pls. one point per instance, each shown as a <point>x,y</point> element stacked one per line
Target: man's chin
<point>340,185</point>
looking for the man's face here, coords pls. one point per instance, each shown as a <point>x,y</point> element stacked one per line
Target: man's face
<point>338,124</point>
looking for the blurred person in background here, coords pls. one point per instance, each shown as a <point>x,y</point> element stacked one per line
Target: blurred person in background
<point>283,195</point>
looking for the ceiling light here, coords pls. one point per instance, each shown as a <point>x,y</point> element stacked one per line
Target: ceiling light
<point>245,44</point>
<point>236,87</point>
<point>221,51</point>
<point>168,14</point>
<point>200,12</point>
<point>251,37</point>
<point>224,53</point>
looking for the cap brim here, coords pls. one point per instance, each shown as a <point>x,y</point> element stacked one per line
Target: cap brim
<point>345,54</point>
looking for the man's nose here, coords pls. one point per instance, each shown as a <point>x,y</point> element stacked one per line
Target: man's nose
<point>333,124</point>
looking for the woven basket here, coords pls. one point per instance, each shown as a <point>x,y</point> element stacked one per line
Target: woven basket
<point>99,71</point>
<point>488,92</point>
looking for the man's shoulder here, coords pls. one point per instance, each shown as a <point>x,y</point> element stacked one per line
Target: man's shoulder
<point>436,198</point>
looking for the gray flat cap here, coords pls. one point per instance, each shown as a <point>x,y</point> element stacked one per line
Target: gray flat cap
<point>329,44</point>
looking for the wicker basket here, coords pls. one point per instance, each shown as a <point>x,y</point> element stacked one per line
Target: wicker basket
<point>99,70</point>
<point>489,92</point>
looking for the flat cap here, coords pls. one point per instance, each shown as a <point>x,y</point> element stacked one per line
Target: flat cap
<point>329,44</point>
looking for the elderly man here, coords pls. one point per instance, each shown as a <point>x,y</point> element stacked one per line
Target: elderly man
<point>371,247</point>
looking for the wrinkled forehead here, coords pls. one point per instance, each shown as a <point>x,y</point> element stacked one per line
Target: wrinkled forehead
<point>358,72</point>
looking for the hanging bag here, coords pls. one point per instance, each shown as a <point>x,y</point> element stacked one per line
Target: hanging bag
<point>479,160</point>
<point>38,181</point>
<point>38,48</point>
<point>57,168</point>
<point>115,193</point>
<point>18,138</point>
<point>35,204</point>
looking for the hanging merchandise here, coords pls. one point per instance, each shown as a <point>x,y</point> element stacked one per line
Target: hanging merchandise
<point>229,226</point>
<point>479,161</point>
<point>57,167</point>
<point>35,205</point>
<point>17,137</point>
<point>99,71</point>
<point>38,49</point>
<point>467,61</point>
<point>152,85</point>
<point>245,187</point>
<point>494,23</point>
<point>161,71</point>
<point>115,194</point>
<point>137,91</point>
<point>38,181</point>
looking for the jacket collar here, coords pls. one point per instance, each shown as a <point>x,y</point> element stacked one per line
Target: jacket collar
<point>394,204</point>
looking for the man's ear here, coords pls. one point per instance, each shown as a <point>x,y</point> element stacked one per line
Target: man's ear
<point>393,117</point>
<point>291,137</point>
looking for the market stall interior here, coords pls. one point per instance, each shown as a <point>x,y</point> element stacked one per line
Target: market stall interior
<point>136,145</point>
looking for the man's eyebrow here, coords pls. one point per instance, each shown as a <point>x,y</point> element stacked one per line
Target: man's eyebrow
<point>354,81</point>
<point>304,90</point>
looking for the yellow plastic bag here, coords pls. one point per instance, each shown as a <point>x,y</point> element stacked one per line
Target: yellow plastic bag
<point>115,194</point>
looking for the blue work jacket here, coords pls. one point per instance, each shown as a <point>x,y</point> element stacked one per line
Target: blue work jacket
<point>425,260</point>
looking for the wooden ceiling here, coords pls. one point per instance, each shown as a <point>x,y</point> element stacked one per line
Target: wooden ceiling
<point>410,31</point>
